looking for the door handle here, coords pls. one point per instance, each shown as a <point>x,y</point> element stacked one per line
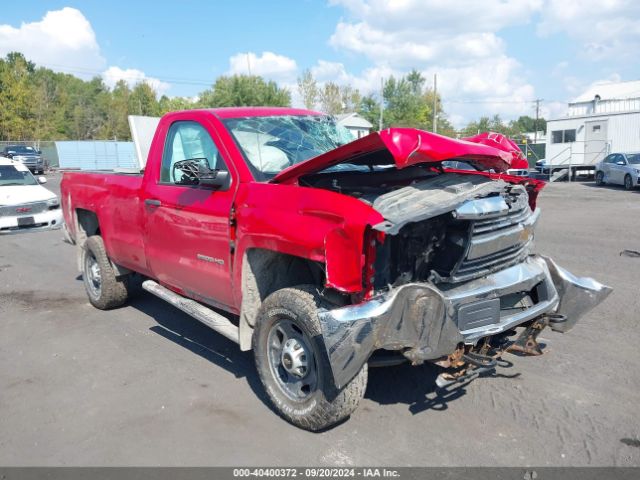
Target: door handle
<point>152,202</point>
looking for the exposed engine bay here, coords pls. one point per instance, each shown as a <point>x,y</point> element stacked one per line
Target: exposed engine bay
<point>440,227</point>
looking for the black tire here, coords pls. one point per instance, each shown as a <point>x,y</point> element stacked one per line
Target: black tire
<point>322,406</point>
<point>628,182</point>
<point>599,178</point>
<point>104,290</point>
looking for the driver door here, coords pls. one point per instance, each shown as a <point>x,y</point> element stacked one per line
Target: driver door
<point>617,170</point>
<point>187,238</point>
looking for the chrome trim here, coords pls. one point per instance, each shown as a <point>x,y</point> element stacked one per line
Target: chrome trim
<point>482,208</point>
<point>421,318</point>
<point>578,295</point>
<point>498,240</point>
<point>34,208</point>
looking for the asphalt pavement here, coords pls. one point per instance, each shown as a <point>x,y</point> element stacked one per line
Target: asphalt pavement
<point>147,385</point>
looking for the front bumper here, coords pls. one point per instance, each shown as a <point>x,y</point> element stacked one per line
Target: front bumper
<point>48,220</point>
<point>426,322</point>
<point>31,163</point>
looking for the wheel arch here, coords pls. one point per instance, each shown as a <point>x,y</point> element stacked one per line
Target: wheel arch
<point>86,225</point>
<point>265,271</point>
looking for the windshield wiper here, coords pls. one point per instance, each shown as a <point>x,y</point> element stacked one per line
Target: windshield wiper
<point>10,184</point>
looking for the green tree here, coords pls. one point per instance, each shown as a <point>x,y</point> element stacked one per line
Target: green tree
<point>173,104</point>
<point>308,89</point>
<point>16,93</point>
<point>525,124</point>
<point>117,124</point>
<point>407,102</point>
<point>370,109</point>
<point>143,101</point>
<point>351,98</point>
<point>244,90</point>
<point>331,99</point>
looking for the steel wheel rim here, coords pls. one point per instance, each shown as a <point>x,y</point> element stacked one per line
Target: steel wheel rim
<point>291,360</point>
<point>627,182</point>
<point>92,275</point>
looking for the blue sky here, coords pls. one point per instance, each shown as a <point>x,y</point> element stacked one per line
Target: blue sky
<point>494,56</point>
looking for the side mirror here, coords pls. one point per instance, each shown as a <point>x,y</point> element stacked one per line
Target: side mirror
<point>217,179</point>
<point>620,162</point>
<point>42,180</point>
<point>39,152</point>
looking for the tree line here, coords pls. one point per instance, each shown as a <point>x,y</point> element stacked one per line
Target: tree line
<point>37,103</point>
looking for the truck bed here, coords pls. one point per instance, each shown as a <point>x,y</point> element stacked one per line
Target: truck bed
<point>115,199</point>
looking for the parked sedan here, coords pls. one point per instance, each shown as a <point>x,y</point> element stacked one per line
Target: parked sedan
<point>24,203</point>
<point>619,169</point>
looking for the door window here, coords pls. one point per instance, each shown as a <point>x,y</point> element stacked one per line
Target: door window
<point>188,141</point>
<point>619,158</point>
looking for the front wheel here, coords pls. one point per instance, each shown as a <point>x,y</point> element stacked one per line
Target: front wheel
<point>292,364</point>
<point>628,182</point>
<point>599,178</point>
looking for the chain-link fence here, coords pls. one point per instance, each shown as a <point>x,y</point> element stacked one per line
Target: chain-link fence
<point>533,152</point>
<point>82,155</point>
<point>47,147</point>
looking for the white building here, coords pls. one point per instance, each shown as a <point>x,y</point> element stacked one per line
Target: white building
<point>604,119</point>
<point>357,125</point>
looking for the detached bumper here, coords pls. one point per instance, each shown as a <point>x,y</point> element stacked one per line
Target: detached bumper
<point>426,322</point>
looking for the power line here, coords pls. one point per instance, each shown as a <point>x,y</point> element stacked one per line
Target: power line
<point>497,101</point>
<point>176,80</point>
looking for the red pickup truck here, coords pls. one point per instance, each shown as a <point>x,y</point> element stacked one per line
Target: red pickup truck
<point>326,254</point>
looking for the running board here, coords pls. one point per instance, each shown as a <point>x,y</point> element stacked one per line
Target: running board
<point>194,309</point>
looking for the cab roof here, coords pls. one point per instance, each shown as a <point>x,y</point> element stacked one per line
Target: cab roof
<point>239,112</point>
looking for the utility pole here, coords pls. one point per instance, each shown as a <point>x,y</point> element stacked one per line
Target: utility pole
<point>535,125</point>
<point>381,103</point>
<point>249,64</point>
<point>435,103</point>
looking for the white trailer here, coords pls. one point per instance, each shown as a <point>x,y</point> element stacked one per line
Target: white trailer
<point>605,119</point>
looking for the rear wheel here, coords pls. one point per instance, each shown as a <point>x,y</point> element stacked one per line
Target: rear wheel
<point>103,288</point>
<point>628,182</point>
<point>292,365</point>
<point>599,178</point>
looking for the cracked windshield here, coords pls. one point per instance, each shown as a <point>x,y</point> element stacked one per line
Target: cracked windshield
<point>271,144</point>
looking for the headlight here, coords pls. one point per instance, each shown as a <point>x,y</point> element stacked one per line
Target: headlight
<point>637,170</point>
<point>53,203</point>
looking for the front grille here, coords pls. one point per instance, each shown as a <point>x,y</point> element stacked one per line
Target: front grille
<point>498,242</point>
<point>24,209</point>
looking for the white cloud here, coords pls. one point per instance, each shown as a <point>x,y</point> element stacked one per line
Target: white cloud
<point>428,15</point>
<point>269,65</point>
<point>606,29</point>
<point>63,38</point>
<point>132,76</point>
<point>456,40</point>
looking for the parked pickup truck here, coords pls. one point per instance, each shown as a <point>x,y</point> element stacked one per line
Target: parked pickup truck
<point>325,254</point>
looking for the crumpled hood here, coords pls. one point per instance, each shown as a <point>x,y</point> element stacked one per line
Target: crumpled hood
<point>409,146</point>
<point>18,194</point>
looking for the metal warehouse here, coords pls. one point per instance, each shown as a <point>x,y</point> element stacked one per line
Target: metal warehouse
<point>604,119</point>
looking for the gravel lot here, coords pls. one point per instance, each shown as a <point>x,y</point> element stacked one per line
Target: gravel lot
<point>148,385</point>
